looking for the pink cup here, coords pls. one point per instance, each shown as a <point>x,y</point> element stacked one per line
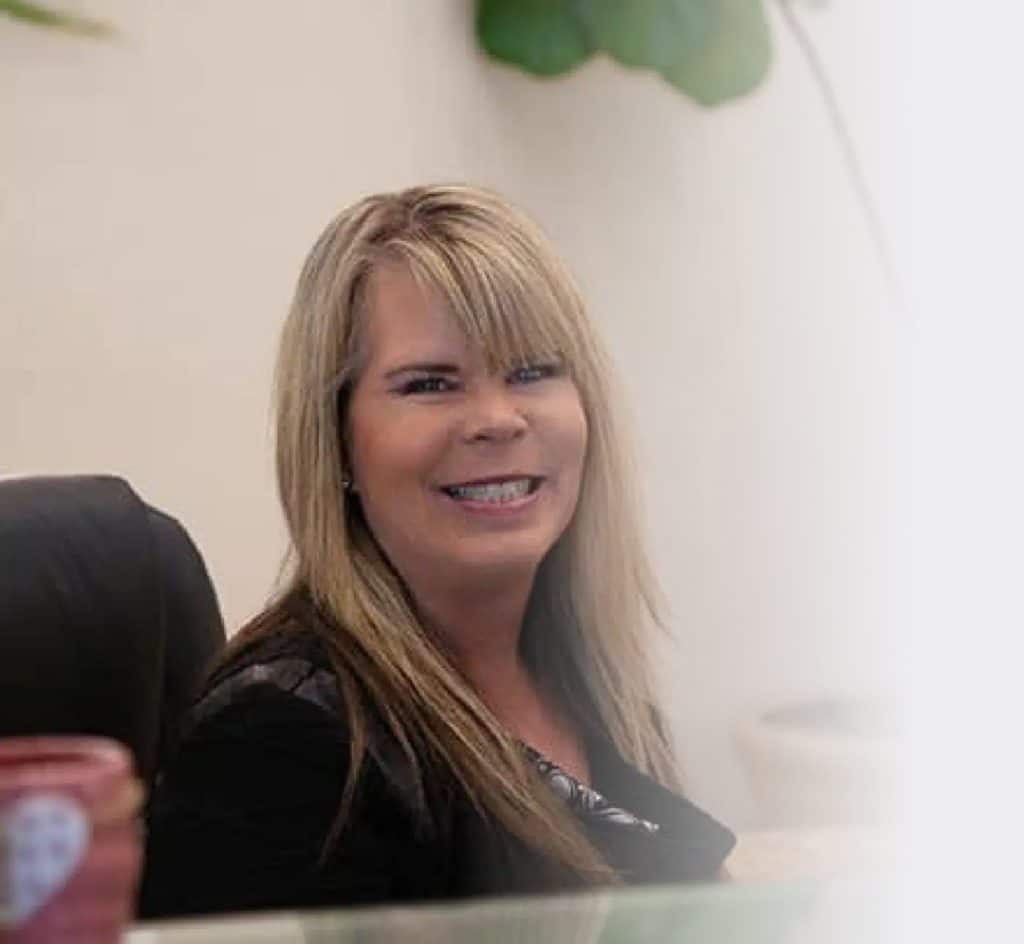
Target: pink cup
<point>69,840</point>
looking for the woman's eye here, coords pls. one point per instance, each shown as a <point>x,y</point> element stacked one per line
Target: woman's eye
<point>428,385</point>
<point>532,373</point>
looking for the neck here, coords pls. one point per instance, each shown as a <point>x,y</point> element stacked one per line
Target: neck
<point>481,631</point>
<point>480,628</point>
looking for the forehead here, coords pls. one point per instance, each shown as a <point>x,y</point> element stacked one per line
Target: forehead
<point>402,320</point>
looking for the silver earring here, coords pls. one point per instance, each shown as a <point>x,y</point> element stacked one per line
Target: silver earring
<point>346,484</point>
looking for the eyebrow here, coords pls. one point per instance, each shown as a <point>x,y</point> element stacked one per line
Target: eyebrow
<point>429,367</point>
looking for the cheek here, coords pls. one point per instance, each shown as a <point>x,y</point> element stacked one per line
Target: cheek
<point>584,438</point>
<point>572,440</point>
<point>376,455</point>
<point>392,451</point>
<point>580,432</point>
<point>391,464</point>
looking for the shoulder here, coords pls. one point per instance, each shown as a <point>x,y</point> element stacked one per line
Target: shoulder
<point>240,817</point>
<point>276,697</point>
<point>288,669</point>
<point>269,722</point>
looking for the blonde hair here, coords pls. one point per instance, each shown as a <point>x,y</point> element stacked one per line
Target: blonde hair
<point>594,598</point>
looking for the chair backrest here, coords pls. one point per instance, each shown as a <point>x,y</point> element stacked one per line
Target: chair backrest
<point>108,619</point>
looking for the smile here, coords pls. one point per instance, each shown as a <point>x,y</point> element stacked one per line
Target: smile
<point>496,492</point>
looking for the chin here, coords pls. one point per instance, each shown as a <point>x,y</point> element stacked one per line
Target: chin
<point>500,561</point>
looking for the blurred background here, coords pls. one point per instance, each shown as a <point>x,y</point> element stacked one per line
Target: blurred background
<point>160,187</point>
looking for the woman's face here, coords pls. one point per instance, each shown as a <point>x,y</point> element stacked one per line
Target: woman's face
<point>463,475</point>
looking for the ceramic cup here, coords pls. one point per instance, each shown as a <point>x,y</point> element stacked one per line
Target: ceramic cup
<point>69,840</point>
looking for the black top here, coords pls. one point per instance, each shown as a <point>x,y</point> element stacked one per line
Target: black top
<point>238,821</point>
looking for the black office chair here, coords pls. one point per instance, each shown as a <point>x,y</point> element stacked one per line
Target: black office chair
<point>108,619</point>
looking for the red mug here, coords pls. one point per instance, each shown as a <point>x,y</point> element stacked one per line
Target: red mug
<point>69,840</point>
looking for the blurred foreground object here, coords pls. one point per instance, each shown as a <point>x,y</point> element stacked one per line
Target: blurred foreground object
<point>69,840</point>
<point>107,615</point>
<point>848,912</point>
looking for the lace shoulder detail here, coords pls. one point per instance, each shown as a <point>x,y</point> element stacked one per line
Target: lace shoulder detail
<point>584,800</point>
<point>294,675</point>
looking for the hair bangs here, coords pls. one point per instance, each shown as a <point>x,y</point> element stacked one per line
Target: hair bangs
<point>507,309</point>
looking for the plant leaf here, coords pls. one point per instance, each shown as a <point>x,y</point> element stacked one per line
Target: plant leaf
<point>734,59</point>
<point>55,19</point>
<point>541,36</point>
<point>649,33</point>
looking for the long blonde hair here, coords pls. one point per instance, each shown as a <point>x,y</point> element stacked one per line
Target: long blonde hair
<point>594,599</point>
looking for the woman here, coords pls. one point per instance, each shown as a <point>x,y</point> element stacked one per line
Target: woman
<point>451,696</point>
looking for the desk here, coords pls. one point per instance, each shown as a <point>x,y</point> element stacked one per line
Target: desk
<point>840,912</point>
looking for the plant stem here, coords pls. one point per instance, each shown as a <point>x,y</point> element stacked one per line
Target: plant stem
<point>847,148</point>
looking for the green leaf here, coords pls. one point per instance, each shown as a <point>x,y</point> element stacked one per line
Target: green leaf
<point>541,36</point>
<point>649,33</point>
<point>55,19</point>
<point>733,61</point>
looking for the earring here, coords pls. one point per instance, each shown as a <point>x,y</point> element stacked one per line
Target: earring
<point>346,485</point>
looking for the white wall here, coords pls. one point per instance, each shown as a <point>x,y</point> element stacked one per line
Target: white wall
<point>966,771</point>
<point>158,193</point>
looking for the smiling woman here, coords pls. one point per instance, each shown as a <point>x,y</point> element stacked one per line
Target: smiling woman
<point>451,695</point>
<point>461,469</point>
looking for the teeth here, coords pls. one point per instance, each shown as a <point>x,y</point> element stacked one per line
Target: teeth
<point>497,492</point>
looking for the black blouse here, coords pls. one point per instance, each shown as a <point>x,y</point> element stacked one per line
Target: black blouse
<point>238,820</point>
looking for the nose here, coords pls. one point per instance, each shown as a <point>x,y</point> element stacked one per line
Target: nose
<point>494,414</point>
